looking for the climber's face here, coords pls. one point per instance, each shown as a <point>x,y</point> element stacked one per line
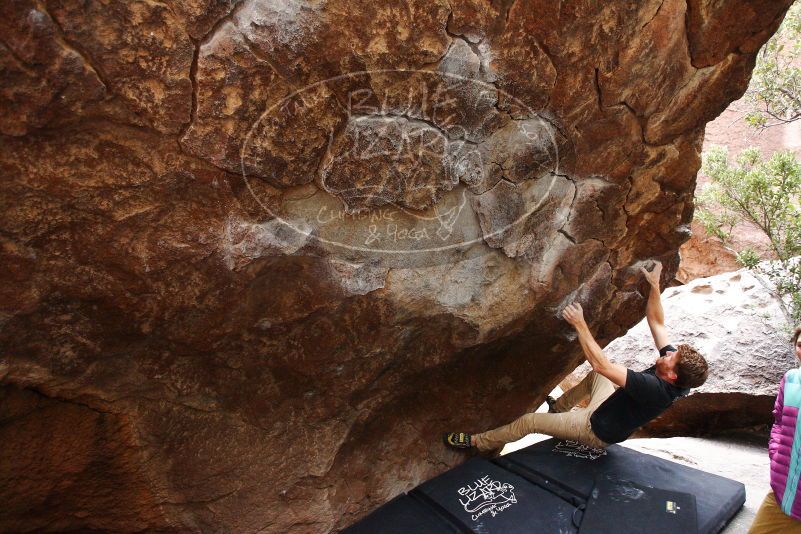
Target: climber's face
<point>666,366</point>
<point>798,348</point>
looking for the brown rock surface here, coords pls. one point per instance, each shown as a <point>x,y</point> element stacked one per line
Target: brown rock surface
<point>87,469</point>
<point>716,30</point>
<point>249,252</point>
<point>44,78</point>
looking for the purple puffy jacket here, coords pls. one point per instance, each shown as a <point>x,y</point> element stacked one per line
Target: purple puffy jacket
<point>784,447</point>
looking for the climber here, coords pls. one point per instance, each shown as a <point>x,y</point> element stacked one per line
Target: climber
<point>620,399</point>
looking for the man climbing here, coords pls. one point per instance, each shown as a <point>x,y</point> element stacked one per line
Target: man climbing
<point>620,400</point>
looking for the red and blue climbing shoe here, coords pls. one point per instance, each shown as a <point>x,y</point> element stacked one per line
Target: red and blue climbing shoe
<point>457,440</point>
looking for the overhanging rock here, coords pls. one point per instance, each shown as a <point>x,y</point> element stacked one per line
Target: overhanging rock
<point>281,245</point>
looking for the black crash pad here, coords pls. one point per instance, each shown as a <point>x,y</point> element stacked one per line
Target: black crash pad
<point>488,498</point>
<point>577,468</point>
<point>548,487</point>
<point>623,506</point>
<point>405,515</point>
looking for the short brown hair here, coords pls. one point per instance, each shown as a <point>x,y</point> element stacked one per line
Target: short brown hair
<point>796,333</point>
<point>691,369</point>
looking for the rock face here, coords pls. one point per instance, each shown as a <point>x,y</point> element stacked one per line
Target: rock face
<point>704,255</point>
<point>257,255</point>
<point>741,330</point>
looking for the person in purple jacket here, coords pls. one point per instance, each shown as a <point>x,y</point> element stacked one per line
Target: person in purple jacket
<point>780,512</point>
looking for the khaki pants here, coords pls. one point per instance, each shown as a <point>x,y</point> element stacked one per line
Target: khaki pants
<point>771,520</point>
<point>573,425</point>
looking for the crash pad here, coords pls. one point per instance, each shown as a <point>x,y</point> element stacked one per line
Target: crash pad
<point>562,487</point>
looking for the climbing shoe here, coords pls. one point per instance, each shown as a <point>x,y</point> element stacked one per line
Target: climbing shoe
<point>457,440</point>
<point>551,404</point>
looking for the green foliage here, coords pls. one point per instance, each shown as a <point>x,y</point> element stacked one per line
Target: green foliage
<point>787,278</point>
<point>775,88</point>
<point>748,257</point>
<point>718,224</point>
<point>765,194</point>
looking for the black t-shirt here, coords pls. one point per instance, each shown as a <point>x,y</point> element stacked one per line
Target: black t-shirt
<point>644,396</point>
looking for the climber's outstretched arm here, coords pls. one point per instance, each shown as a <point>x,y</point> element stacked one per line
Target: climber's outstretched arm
<point>574,315</point>
<point>653,310</point>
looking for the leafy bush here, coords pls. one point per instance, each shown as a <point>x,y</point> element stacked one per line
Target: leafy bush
<point>775,88</point>
<point>765,194</point>
<point>719,225</point>
<point>748,257</point>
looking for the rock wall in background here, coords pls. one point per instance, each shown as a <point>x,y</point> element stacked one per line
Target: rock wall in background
<point>257,255</point>
<point>704,255</point>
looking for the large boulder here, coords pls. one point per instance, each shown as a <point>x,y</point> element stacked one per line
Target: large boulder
<point>257,255</point>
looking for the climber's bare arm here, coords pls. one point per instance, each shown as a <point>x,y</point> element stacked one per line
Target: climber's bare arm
<point>574,315</point>
<point>653,311</point>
